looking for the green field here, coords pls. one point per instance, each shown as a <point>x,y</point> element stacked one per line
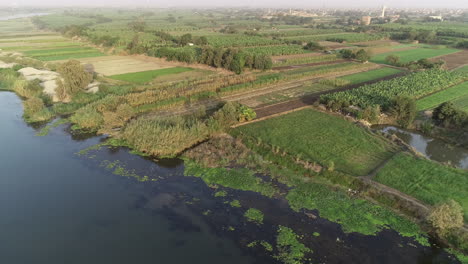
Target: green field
<point>461,103</point>
<point>450,94</point>
<point>413,54</point>
<point>147,76</point>
<point>63,53</point>
<point>463,69</point>
<point>426,180</point>
<point>316,136</point>
<point>370,75</point>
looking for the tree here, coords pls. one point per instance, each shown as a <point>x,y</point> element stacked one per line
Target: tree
<point>185,39</point>
<point>362,55</point>
<point>446,216</point>
<point>202,41</point>
<point>347,54</point>
<point>404,110</point>
<point>393,59</point>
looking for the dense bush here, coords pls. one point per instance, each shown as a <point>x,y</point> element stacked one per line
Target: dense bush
<point>404,110</point>
<point>447,115</point>
<point>75,79</point>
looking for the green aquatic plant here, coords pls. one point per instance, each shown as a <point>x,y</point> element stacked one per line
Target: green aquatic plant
<point>290,249</point>
<point>254,215</point>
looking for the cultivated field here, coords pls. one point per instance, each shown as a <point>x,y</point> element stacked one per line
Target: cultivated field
<point>455,60</point>
<point>370,75</point>
<point>414,54</point>
<point>426,180</point>
<point>147,76</point>
<point>116,65</point>
<point>455,93</point>
<point>326,139</point>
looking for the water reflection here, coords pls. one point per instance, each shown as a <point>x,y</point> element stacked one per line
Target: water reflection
<point>432,148</point>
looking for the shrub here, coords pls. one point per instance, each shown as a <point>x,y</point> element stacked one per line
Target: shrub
<point>75,78</point>
<point>446,216</point>
<point>447,115</point>
<point>393,59</point>
<point>404,110</point>
<point>32,105</point>
<point>87,118</point>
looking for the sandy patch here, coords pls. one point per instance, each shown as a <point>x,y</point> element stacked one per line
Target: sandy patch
<point>4,65</point>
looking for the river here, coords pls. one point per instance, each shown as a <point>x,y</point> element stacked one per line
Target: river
<point>60,207</point>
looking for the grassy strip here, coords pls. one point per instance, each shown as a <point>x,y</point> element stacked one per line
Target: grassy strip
<point>426,180</point>
<point>316,136</point>
<point>370,75</point>
<point>413,54</point>
<point>147,76</point>
<point>436,99</point>
<point>354,215</point>
<point>240,179</point>
<point>70,56</point>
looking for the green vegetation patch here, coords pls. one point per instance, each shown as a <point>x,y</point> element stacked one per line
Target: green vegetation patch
<point>436,99</point>
<point>290,249</point>
<point>316,136</point>
<point>428,181</point>
<point>239,179</point>
<point>461,103</point>
<point>370,75</point>
<point>147,76</point>
<point>354,215</point>
<point>414,54</point>
<point>254,215</point>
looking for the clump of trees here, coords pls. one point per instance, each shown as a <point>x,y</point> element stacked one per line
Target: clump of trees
<point>413,65</point>
<point>360,55</point>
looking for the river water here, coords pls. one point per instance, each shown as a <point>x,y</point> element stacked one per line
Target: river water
<point>16,16</point>
<point>432,148</point>
<point>60,207</point>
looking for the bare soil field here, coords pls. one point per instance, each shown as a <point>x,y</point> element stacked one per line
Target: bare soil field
<point>377,43</point>
<point>454,60</point>
<point>380,50</point>
<point>113,65</point>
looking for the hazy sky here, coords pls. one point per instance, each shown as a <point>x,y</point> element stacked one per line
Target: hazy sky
<point>252,3</point>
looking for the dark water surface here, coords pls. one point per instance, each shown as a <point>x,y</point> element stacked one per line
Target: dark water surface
<point>58,207</point>
<point>432,148</point>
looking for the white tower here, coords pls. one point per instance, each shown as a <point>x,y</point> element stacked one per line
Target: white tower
<point>383,11</point>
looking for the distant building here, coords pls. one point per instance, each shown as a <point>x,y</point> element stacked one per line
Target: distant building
<point>365,20</point>
<point>383,11</point>
<point>436,18</point>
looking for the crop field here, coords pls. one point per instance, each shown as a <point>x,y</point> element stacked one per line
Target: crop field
<point>323,138</point>
<point>147,76</point>
<point>116,65</point>
<point>240,41</point>
<point>414,54</point>
<point>461,103</point>
<point>370,75</point>
<point>426,180</point>
<point>415,85</point>
<point>276,50</point>
<point>339,37</point>
<point>463,70</point>
<point>451,94</point>
<point>63,53</point>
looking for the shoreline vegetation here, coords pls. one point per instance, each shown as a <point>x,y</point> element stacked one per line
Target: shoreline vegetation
<point>323,159</point>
